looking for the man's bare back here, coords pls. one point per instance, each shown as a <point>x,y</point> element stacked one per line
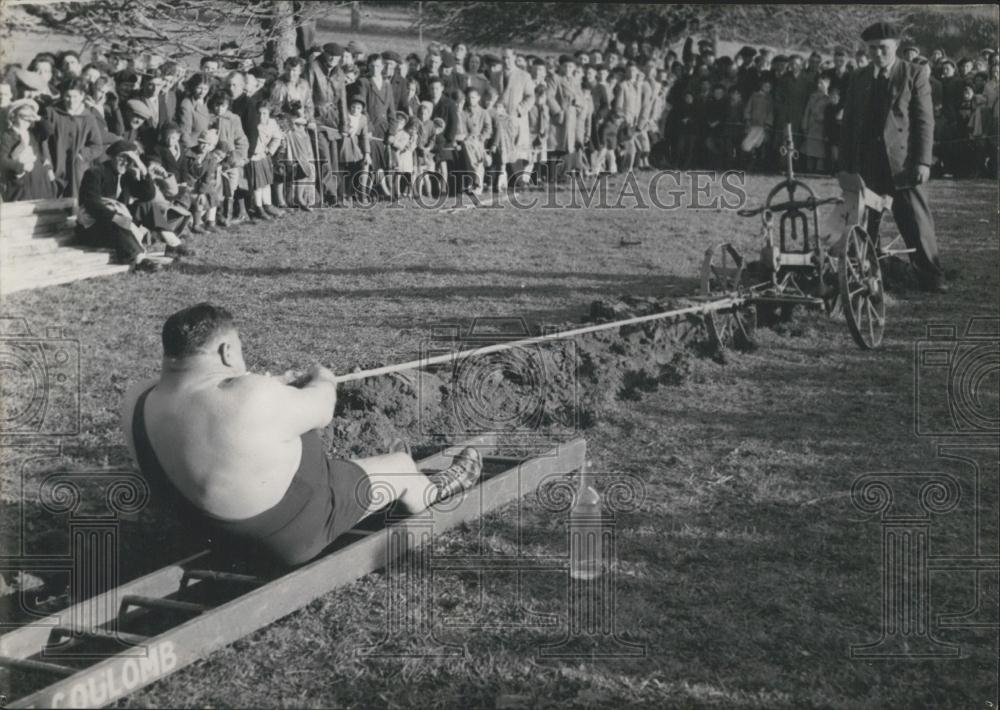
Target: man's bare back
<point>219,441</point>
<point>243,448</point>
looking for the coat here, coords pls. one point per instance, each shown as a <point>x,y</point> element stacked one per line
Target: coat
<point>909,125</point>
<point>231,132</point>
<point>380,105</point>
<point>447,110</point>
<point>101,182</point>
<point>32,184</point>
<point>814,125</point>
<point>74,144</point>
<point>194,118</point>
<point>516,98</point>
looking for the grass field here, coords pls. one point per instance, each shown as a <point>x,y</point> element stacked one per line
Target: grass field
<point>746,572</point>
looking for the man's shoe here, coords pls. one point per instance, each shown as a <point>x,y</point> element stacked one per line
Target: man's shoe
<point>179,250</point>
<point>464,473</point>
<point>147,266</point>
<point>273,211</point>
<point>305,208</point>
<point>936,287</point>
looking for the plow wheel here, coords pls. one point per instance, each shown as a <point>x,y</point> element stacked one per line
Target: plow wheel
<point>861,291</point>
<point>722,276</point>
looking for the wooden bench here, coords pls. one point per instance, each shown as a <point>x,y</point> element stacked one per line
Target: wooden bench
<point>37,247</point>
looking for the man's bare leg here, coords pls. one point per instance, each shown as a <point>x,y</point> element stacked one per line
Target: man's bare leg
<point>395,477</point>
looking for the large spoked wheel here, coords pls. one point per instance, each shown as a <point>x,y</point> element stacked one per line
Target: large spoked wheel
<point>862,293</point>
<point>722,276</point>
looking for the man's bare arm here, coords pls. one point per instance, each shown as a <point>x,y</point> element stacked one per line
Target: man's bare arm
<point>292,409</point>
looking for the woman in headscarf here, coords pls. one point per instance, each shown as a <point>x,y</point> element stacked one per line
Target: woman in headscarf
<point>25,167</point>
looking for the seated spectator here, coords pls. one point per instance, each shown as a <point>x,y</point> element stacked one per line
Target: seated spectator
<point>25,168</point>
<point>116,206</point>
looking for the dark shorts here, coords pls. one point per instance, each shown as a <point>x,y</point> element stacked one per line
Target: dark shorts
<point>326,498</point>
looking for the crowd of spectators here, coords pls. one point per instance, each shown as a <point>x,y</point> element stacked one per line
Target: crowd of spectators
<point>153,149</point>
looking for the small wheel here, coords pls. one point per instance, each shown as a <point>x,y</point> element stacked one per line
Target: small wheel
<point>862,294</point>
<point>721,276</point>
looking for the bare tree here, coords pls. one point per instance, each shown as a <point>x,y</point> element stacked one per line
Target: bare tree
<point>793,26</point>
<point>178,28</point>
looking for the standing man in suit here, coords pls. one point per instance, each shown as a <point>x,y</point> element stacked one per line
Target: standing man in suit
<point>887,137</point>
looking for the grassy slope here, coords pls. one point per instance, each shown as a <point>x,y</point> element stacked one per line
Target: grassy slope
<point>746,572</point>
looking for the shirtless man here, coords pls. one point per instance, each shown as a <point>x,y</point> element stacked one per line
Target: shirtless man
<point>240,454</point>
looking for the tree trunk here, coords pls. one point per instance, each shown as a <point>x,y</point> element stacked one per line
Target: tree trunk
<point>282,42</point>
<point>355,17</point>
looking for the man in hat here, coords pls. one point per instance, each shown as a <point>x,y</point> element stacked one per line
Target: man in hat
<point>887,137</point>
<point>330,99</point>
<point>116,205</point>
<point>395,71</point>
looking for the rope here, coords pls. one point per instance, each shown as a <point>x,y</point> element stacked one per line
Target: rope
<point>719,305</point>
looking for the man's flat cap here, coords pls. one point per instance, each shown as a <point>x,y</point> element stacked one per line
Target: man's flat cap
<point>879,31</point>
<point>391,56</point>
<point>333,49</point>
<point>122,146</point>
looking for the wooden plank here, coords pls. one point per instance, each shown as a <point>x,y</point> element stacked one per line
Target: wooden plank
<point>29,640</point>
<point>29,207</point>
<point>120,675</point>
<point>130,600</point>
<point>24,664</point>
<point>32,223</point>
<point>62,632</point>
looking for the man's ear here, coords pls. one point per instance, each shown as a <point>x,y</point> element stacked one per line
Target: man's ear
<point>226,353</point>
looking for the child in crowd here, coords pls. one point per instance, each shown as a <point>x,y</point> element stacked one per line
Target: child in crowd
<point>355,150</point>
<point>260,171</point>
<point>477,127</point>
<point>759,117</point>
<point>203,168</point>
<point>300,163</point>
<point>604,160</point>
<point>424,154</point>
<point>402,144</point>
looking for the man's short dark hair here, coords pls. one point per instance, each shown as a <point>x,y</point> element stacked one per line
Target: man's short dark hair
<point>187,331</point>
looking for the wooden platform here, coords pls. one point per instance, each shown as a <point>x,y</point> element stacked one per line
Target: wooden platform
<point>212,608</point>
<point>37,247</point>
